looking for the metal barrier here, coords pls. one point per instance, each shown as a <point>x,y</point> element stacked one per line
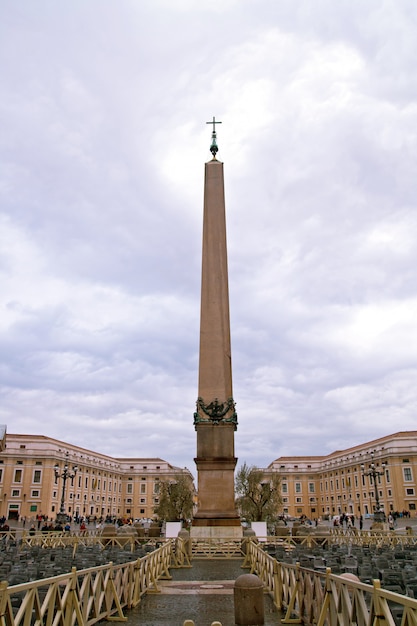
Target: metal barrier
<point>310,597</point>
<point>86,596</point>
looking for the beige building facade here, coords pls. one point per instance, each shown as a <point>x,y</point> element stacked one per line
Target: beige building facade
<point>321,486</point>
<point>103,485</point>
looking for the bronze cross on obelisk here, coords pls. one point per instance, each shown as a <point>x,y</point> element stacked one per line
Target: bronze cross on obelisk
<point>213,148</point>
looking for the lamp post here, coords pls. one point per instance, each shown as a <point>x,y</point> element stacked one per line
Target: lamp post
<point>65,474</point>
<point>379,515</point>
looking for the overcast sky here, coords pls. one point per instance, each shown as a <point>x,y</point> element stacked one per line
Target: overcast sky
<point>103,141</point>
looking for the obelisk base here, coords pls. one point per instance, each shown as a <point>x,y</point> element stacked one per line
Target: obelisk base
<point>216,528</point>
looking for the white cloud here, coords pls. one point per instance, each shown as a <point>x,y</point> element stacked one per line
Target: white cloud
<point>102,161</point>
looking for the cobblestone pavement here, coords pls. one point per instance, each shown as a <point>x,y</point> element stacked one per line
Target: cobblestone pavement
<point>203,593</point>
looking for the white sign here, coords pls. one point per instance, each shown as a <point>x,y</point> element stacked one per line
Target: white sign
<point>260,530</point>
<point>172,529</point>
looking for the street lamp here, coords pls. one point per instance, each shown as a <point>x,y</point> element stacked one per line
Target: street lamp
<point>379,515</point>
<point>65,474</point>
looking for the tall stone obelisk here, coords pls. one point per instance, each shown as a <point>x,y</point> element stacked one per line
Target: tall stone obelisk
<point>215,419</point>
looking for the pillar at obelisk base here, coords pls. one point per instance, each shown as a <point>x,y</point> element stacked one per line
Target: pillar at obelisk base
<point>215,419</point>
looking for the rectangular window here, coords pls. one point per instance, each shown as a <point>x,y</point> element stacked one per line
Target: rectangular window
<point>1,474</point>
<point>387,476</point>
<point>407,474</point>
<point>34,493</point>
<point>311,487</point>
<point>409,491</point>
<point>297,487</point>
<point>129,488</point>
<point>284,488</point>
<point>18,476</point>
<point>143,488</point>
<point>143,500</point>
<point>298,500</point>
<point>15,493</point>
<point>37,476</point>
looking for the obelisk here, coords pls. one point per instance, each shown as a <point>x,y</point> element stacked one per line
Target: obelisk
<point>215,419</point>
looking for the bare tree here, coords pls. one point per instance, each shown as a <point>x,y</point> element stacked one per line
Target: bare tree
<point>175,499</point>
<point>258,494</point>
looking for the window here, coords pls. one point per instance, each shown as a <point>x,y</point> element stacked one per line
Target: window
<point>37,476</point>
<point>409,491</point>
<point>284,488</point>
<point>407,474</point>
<point>298,500</point>
<point>15,493</point>
<point>1,474</point>
<point>143,500</point>
<point>387,476</point>
<point>130,488</point>
<point>34,493</point>
<point>311,487</point>
<point>143,488</point>
<point>18,476</point>
<point>297,487</point>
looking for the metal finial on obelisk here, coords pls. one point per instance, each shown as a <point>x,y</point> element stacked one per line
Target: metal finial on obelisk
<point>214,148</point>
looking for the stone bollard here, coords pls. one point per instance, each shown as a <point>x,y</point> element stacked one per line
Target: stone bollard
<point>185,536</point>
<point>281,530</point>
<point>249,600</point>
<point>248,532</point>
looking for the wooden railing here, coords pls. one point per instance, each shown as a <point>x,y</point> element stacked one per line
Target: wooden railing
<point>87,596</point>
<point>310,597</point>
<point>216,548</point>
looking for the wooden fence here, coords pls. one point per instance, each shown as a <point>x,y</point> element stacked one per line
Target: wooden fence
<point>87,596</point>
<point>309,597</point>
